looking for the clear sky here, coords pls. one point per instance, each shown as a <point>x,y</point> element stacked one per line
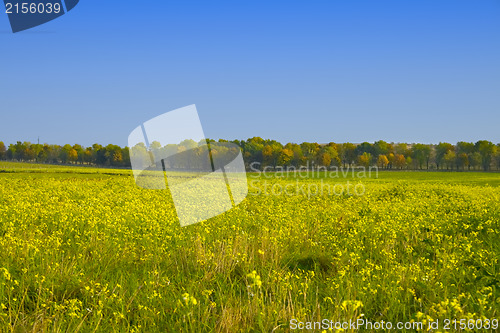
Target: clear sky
<point>404,71</point>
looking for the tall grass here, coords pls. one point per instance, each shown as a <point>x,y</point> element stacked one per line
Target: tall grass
<point>97,254</point>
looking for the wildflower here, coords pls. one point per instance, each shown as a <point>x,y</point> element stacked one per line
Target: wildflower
<point>189,300</point>
<point>254,279</point>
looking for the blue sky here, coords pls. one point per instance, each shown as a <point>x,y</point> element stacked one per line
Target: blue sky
<point>403,71</point>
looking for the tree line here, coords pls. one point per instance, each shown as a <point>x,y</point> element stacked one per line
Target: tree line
<point>481,155</point>
<point>110,155</point>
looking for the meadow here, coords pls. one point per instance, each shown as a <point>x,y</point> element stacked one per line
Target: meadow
<point>85,250</point>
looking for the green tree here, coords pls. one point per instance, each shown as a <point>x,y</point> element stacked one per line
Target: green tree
<point>348,154</point>
<point>328,154</point>
<point>36,149</point>
<point>3,151</point>
<point>497,156</point>
<point>126,156</point>
<point>450,159</point>
<point>463,160</point>
<point>310,151</point>
<point>441,150</point>
<point>422,154</point>
<point>54,153</point>
<point>298,156</point>
<point>409,160</point>
<point>20,151</point>
<point>80,152</point>
<point>43,155</point>
<point>365,147</point>
<point>382,148</point>
<point>98,154</point>
<point>87,155</point>
<point>64,154</point>
<point>113,155</point>
<point>17,151</point>
<point>267,155</point>
<point>402,149</point>
<point>253,150</point>
<point>334,153</point>
<point>464,152</point>
<point>475,160</point>
<point>487,151</point>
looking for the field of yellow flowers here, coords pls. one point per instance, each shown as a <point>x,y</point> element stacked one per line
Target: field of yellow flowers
<point>86,250</point>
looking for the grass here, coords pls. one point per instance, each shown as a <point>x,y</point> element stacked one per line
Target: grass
<point>86,250</point>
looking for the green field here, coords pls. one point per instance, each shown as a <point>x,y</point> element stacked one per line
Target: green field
<point>85,249</point>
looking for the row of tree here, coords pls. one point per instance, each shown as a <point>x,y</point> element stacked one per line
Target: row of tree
<point>482,155</point>
<point>110,155</point>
